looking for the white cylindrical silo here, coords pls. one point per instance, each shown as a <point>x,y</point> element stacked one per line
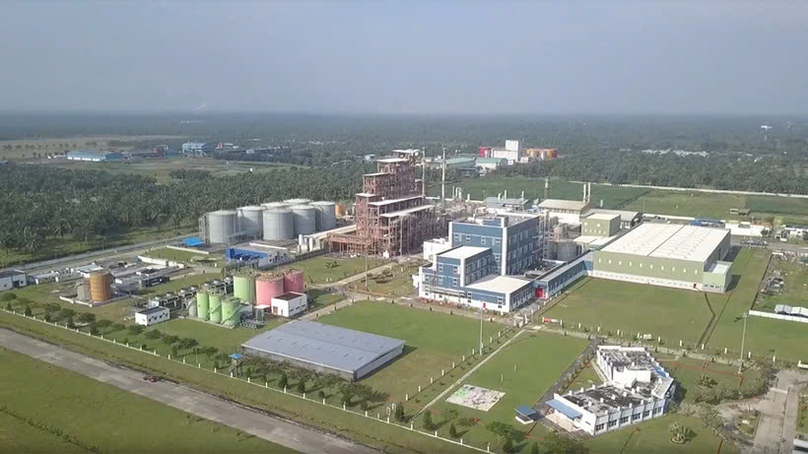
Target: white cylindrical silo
<point>222,225</point>
<point>279,224</point>
<point>305,219</point>
<point>293,202</point>
<point>251,220</point>
<point>326,215</point>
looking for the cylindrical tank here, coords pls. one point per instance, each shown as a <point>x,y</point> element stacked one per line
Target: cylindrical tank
<point>251,220</point>
<point>100,286</point>
<point>292,202</point>
<point>267,287</point>
<point>279,224</point>
<point>192,309</point>
<point>244,288</point>
<point>567,250</point>
<point>222,225</point>
<point>83,290</point>
<point>293,281</point>
<point>229,311</point>
<point>202,305</point>
<point>305,219</point>
<point>325,215</point>
<point>274,205</point>
<point>215,308</point>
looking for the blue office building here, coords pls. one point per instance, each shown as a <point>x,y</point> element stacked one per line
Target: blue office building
<point>484,265</point>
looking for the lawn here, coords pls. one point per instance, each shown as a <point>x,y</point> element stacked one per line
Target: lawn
<point>182,256</point>
<point>320,298</point>
<point>19,436</point>
<point>524,371</point>
<point>585,379</point>
<point>55,247</point>
<point>764,337</point>
<point>49,293</point>
<point>396,281</point>
<point>433,341</point>
<point>227,340</point>
<point>177,284</point>
<point>632,308</point>
<point>682,203</point>
<point>654,436</point>
<point>688,371</point>
<point>323,269</point>
<point>102,415</point>
<point>382,436</point>
<point>795,289</point>
<point>612,196</point>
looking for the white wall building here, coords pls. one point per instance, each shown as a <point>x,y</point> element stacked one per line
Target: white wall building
<point>512,152</point>
<point>152,316</point>
<point>289,304</point>
<point>12,279</point>
<point>637,388</point>
<point>436,246</point>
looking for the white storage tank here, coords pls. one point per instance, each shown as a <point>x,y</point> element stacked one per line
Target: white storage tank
<point>274,205</point>
<point>222,226</point>
<point>305,219</point>
<point>251,220</point>
<point>326,215</point>
<point>293,202</point>
<point>279,224</point>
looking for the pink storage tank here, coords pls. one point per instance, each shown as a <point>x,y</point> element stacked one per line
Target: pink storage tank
<point>267,287</point>
<point>293,281</point>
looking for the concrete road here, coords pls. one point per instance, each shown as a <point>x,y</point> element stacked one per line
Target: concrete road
<point>778,423</point>
<point>269,428</point>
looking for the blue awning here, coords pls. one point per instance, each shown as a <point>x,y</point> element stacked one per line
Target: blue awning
<point>525,411</point>
<point>193,241</point>
<point>564,409</point>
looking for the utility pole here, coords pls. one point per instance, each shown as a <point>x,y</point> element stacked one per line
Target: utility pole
<point>482,309</point>
<point>423,172</point>
<point>443,181</point>
<point>743,338</point>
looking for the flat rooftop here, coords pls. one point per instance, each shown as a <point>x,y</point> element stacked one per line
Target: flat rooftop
<point>288,296</point>
<point>331,346</point>
<point>395,214</point>
<point>628,359</point>
<point>557,204</point>
<point>602,216</point>
<point>462,252</point>
<point>391,160</point>
<point>389,201</point>
<point>625,216</point>
<point>509,201</point>
<point>499,284</point>
<point>682,242</point>
<point>153,310</point>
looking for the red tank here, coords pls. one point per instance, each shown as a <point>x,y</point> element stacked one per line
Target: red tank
<point>485,152</point>
<point>267,287</point>
<point>293,281</point>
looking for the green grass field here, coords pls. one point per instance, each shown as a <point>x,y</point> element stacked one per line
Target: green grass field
<point>696,204</point>
<point>323,269</point>
<point>319,298</point>
<point>49,293</point>
<point>60,247</point>
<point>102,415</point>
<point>764,337</point>
<point>380,435</point>
<point>432,341</point>
<point>688,371</point>
<point>397,281</point>
<point>524,371</point>
<point>795,290</point>
<point>585,379</point>
<point>634,308</point>
<point>654,437</point>
<point>183,256</point>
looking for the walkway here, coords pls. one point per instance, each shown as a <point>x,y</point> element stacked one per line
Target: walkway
<point>261,425</point>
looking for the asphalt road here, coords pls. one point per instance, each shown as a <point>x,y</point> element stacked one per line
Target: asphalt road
<point>276,430</point>
<point>778,423</point>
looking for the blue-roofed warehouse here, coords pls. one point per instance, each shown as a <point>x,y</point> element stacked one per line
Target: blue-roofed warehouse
<point>324,348</point>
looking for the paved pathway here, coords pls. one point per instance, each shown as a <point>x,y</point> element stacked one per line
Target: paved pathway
<point>270,428</point>
<point>778,423</point>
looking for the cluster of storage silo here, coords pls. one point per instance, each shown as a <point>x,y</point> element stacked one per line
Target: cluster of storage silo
<point>272,221</point>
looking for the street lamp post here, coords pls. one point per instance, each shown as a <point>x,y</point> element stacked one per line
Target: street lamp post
<point>743,339</point>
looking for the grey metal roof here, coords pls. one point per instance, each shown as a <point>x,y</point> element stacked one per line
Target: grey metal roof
<point>11,273</point>
<point>325,345</point>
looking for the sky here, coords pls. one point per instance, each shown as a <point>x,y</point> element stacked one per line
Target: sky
<point>421,57</point>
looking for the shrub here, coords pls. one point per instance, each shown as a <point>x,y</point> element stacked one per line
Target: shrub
<point>428,423</point>
<point>135,329</point>
<point>452,431</point>
<point>283,382</point>
<point>8,296</point>
<point>301,386</point>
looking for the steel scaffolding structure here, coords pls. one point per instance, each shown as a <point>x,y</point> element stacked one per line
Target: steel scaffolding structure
<point>392,215</point>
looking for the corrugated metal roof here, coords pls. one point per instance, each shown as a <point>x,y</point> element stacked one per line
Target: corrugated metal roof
<point>670,241</point>
<point>557,204</point>
<point>331,346</point>
<point>567,411</point>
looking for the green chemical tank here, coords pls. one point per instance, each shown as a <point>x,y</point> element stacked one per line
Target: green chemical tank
<point>244,288</point>
<point>202,304</point>
<point>230,312</point>
<point>215,308</point>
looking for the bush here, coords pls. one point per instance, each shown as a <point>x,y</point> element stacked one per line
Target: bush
<point>135,329</point>
<point>399,414</point>
<point>452,431</point>
<point>301,386</point>
<point>8,306</point>
<point>8,296</point>
<point>428,423</point>
<point>283,382</point>
<point>507,446</point>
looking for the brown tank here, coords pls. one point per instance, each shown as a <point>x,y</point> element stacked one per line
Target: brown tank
<point>100,286</point>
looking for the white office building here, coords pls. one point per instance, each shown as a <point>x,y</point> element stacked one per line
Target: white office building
<point>289,304</point>
<point>152,316</point>
<point>637,388</point>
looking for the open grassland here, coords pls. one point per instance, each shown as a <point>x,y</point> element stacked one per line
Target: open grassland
<point>634,308</point>
<point>688,372</point>
<point>320,298</point>
<point>55,247</point>
<point>25,148</point>
<point>524,370</point>
<point>160,168</point>
<point>654,437</point>
<point>432,342</point>
<point>378,434</point>
<point>323,269</point>
<point>695,204</point>
<point>37,295</point>
<point>795,289</point>
<point>177,255</point>
<point>19,436</point>
<point>97,414</point>
<point>226,340</point>
<point>764,337</point>
<point>396,281</point>
<point>585,379</point>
